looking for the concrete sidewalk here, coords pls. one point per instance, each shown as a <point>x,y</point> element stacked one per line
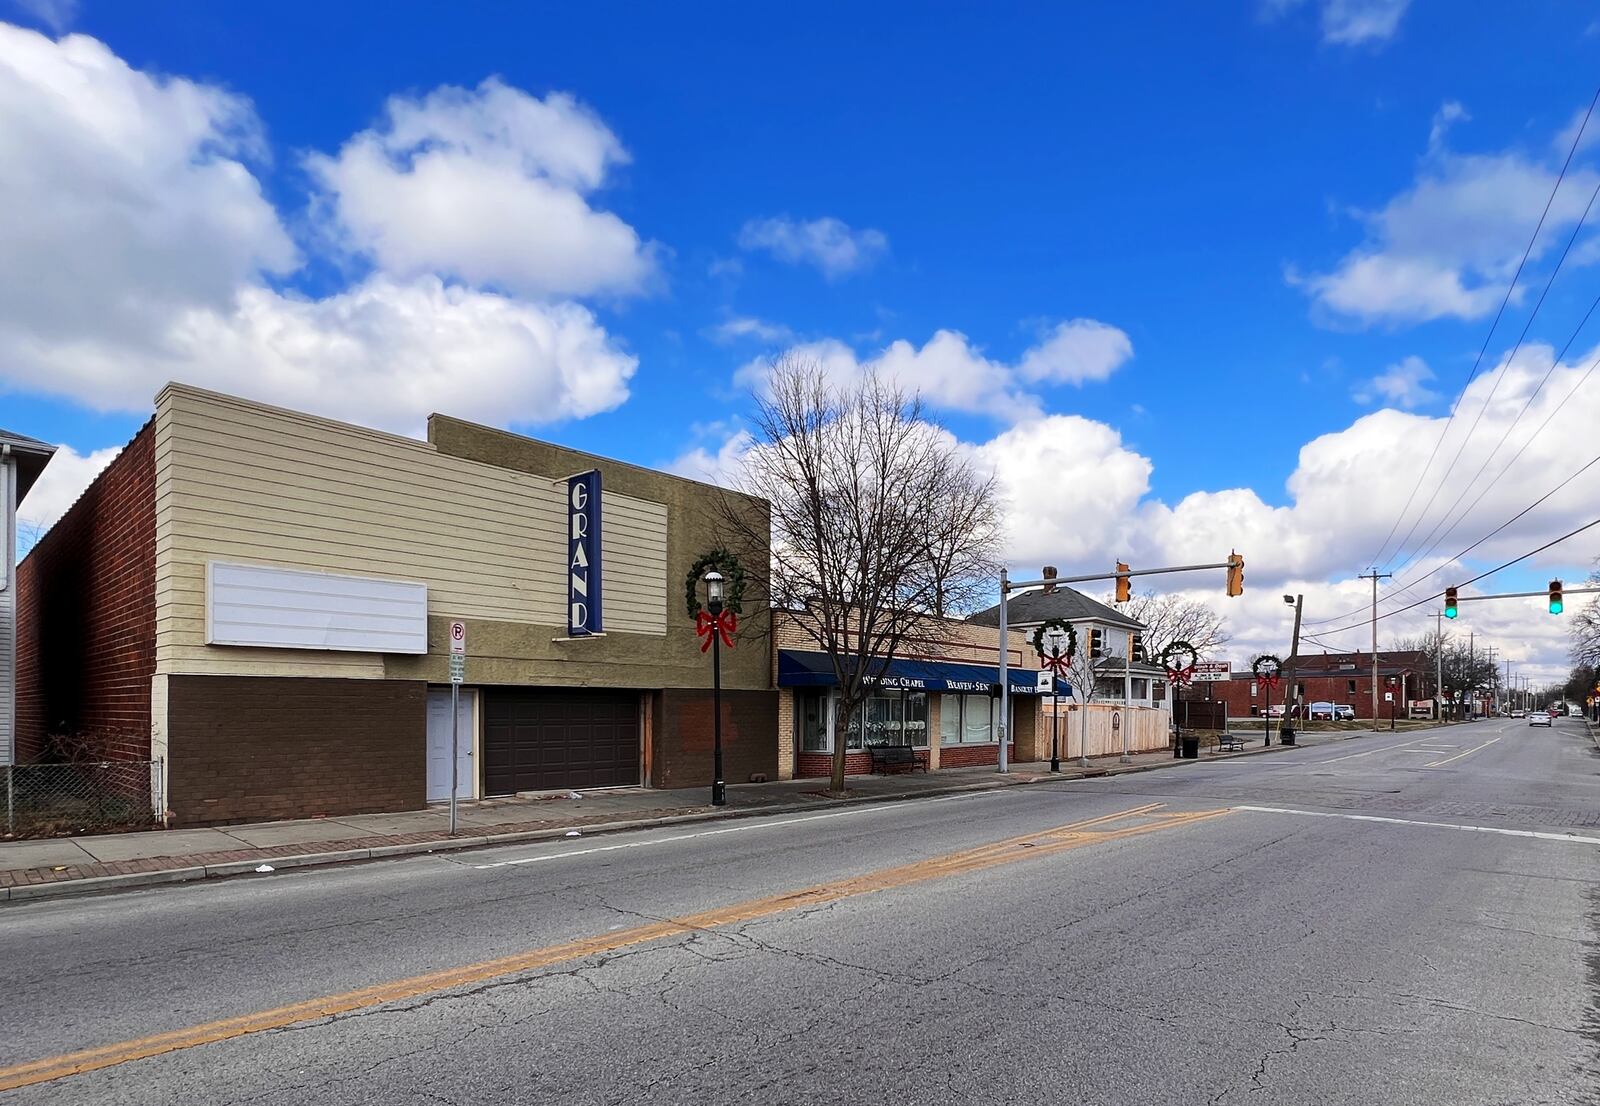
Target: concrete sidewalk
<point>75,865</point>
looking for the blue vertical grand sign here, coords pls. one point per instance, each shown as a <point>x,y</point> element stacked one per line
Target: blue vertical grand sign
<point>583,555</point>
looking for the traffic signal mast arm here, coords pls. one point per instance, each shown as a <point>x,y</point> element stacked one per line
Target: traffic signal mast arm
<point>1524,595</point>
<point>1023,585</point>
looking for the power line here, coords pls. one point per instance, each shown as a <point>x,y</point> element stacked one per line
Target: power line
<point>1471,376</point>
<point>1494,389</point>
<point>1406,587</point>
<point>1474,580</point>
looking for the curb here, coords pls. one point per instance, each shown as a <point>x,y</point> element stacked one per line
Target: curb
<point>95,884</point>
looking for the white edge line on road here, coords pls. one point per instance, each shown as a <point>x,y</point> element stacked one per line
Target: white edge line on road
<point>1501,830</point>
<point>740,828</point>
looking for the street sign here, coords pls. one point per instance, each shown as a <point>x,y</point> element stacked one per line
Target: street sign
<point>1212,671</point>
<point>458,639</point>
<point>458,668</point>
<point>1388,696</point>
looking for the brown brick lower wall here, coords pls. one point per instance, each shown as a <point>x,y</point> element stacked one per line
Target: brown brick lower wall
<point>254,748</point>
<point>971,756</point>
<point>682,735</point>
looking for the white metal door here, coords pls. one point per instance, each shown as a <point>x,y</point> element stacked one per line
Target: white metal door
<point>439,746</point>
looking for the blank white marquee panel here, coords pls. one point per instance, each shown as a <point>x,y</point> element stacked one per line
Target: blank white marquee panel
<point>285,608</point>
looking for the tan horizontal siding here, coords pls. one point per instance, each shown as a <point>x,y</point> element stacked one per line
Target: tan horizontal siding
<point>239,482</point>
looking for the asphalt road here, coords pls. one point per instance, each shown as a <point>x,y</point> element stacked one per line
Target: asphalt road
<point>1305,927</point>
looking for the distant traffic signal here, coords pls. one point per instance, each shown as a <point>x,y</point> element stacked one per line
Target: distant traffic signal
<point>1235,574</point>
<point>1138,648</point>
<point>1097,643</point>
<point>1124,583</point>
<point>1556,606</point>
<point>1450,608</point>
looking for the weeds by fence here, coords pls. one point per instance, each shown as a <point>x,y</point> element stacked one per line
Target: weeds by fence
<point>47,800</point>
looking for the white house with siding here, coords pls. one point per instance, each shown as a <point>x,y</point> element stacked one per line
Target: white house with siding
<point>22,459</point>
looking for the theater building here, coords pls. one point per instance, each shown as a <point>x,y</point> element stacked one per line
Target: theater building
<point>261,599</point>
<point>940,697</point>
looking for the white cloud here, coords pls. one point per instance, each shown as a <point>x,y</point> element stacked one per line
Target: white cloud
<point>138,248</point>
<point>747,328</point>
<point>827,243</point>
<point>62,482</point>
<point>382,353</point>
<point>1450,112</point>
<point>1448,246</point>
<point>123,197</point>
<point>1403,384</point>
<point>714,467</point>
<point>1350,22</point>
<point>487,185</point>
<point>950,373</point>
<point>1077,351</point>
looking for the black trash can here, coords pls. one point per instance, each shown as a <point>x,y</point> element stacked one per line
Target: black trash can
<point>1191,747</point>
<point>1286,736</point>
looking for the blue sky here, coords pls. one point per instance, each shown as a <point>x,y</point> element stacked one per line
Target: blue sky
<point>1249,225</point>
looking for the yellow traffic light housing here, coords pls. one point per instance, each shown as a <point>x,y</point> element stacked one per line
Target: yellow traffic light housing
<point>1451,607</point>
<point>1235,574</point>
<point>1124,583</point>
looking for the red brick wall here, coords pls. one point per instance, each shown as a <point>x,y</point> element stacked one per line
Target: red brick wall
<point>969,756</point>
<point>681,735</point>
<point>252,748</point>
<point>1318,689</point>
<point>820,765</point>
<point>86,619</point>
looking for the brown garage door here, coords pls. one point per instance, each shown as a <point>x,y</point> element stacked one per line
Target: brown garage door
<point>540,739</point>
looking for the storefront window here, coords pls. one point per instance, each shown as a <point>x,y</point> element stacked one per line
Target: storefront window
<point>886,718</point>
<point>968,719</point>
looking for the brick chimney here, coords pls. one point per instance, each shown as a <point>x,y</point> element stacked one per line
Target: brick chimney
<point>1049,573</point>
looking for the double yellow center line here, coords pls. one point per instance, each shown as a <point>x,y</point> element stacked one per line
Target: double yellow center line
<point>1138,821</point>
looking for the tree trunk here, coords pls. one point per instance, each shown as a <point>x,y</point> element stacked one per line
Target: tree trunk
<point>841,741</point>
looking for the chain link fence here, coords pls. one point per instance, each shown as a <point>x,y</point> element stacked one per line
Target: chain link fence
<point>48,800</point>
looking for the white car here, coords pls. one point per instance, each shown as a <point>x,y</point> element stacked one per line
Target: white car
<point>1539,718</point>
<point>1344,712</point>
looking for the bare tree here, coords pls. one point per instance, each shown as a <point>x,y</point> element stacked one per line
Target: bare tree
<point>1170,617</point>
<point>879,522</point>
<point>28,534</point>
<point>1585,629</point>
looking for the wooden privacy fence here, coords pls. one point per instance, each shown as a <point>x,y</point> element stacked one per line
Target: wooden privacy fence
<point>1091,727</point>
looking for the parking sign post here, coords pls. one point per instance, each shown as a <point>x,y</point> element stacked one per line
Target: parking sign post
<point>458,671</point>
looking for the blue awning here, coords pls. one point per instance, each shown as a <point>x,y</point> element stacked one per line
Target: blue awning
<point>800,668</point>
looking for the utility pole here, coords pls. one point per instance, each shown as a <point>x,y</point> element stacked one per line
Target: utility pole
<point>1375,576</point>
<point>1472,672</point>
<point>1290,696</point>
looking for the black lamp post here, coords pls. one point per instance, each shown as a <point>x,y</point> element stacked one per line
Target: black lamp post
<point>719,791</point>
<point>1056,639</point>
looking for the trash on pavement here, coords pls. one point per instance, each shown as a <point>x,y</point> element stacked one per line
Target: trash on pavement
<point>574,795</point>
<point>574,833</point>
<point>266,868</point>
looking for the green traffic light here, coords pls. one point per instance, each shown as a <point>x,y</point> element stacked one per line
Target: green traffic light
<point>1449,612</point>
<point>1556,606</point>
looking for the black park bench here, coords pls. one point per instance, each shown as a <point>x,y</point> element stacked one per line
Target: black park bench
<point>1227,740</point>
<point>893,758</point>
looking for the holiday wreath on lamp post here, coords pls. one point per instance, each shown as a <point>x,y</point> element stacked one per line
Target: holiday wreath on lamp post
<point>1267,668</point>
<point>1056,658</point>
<point>1180,659</point>
<point>723,623</point>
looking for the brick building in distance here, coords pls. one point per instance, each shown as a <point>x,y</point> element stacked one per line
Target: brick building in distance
<point>1339,678</point>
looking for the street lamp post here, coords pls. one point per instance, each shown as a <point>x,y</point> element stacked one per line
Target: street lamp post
<point>1056,640</point>
<point>719,791</point>
<point>1290,694</point>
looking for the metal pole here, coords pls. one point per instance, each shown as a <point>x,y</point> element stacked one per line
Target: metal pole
<point>719,793</point>
<point>1055,722</point>
<point>1005,675</point>
<point>1375,576</point>
<point>455,738</point>
<point>1438,668</point>
<point>1127,696</point>
<point>1290,694</point>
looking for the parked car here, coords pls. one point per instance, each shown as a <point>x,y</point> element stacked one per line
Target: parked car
<point>1574,712</point>
<point>1320,712</point>
<point>1539,718</point>
<point>1275,711</point>
<point>1344,712</point>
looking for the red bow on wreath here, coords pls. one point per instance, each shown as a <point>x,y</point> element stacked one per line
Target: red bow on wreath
<point>1181,675</point>
<point>1058,664</point>
<point>707,625</point>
